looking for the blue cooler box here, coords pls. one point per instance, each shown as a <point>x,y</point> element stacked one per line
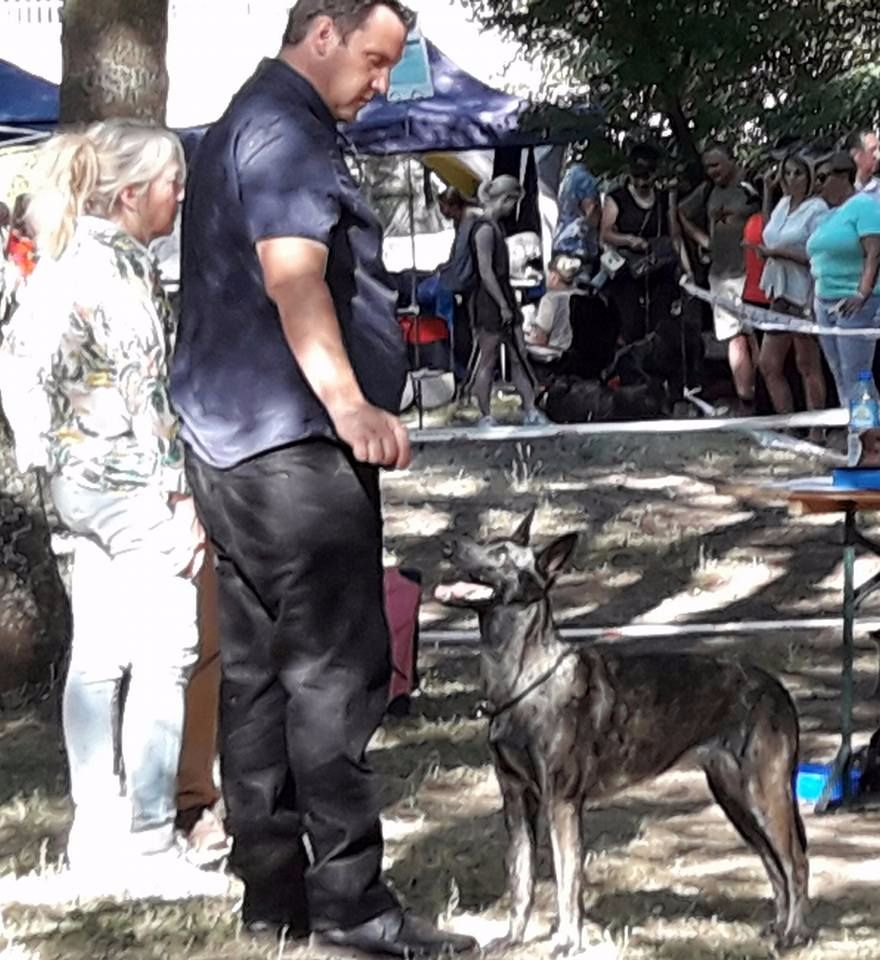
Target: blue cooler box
<point>856,478</point>
<point>812,777</point>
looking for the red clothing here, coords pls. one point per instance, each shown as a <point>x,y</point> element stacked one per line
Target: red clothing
<point>753,232</point>
<point>22,252</point>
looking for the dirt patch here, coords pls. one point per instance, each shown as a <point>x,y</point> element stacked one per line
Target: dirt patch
<point>667,877</point>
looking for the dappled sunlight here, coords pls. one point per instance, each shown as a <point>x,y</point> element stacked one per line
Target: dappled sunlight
<point>712,589</point>
<point>426,521</point>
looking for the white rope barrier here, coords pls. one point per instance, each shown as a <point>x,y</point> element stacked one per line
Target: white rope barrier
<point>759,318</point>
<point>837,417</point>
<point>771,440</point>
<point>652,631</point>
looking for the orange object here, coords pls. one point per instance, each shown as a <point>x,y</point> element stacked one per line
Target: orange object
<point>753,233</point>
<point>22,251</point>
<point>423,329</point>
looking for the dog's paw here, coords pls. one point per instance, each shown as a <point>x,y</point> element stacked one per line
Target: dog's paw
<point>773,931</point>
<point>563,945</point>
<point>798,936</point>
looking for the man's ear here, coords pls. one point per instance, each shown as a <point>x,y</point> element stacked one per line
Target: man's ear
<point>524,531</point>
<point>555,556</point>
<point>323,34</point>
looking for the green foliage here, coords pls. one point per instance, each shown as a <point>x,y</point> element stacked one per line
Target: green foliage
<point>683,70</point>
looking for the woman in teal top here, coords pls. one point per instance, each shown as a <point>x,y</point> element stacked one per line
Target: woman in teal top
<point>844,252</point>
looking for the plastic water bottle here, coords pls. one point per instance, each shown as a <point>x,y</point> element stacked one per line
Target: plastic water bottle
<point>864,414</point>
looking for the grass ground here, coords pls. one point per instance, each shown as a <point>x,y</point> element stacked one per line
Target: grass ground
<point>666,875</point>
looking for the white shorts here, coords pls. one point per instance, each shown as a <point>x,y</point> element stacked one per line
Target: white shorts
<point>727,324</point>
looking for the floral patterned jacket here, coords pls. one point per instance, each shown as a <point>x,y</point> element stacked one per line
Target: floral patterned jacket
<point>84,366</point>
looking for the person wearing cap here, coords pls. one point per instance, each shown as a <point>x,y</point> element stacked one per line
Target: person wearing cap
<point>494,311</point>
<point>550,331</point>
<point>844,252</point>
<point>638,218</point>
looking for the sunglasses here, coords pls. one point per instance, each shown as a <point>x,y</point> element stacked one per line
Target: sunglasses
<point>825,174</point>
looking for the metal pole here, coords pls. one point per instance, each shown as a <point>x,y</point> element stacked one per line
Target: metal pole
<point>846,673</point>
<point>414,303</point>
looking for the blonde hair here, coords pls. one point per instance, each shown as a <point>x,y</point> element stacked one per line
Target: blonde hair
<point>85,172</point>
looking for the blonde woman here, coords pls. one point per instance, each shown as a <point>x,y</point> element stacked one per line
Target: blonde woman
<point>84,369</point>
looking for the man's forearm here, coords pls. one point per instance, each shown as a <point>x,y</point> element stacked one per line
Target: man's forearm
<point>700,237</point>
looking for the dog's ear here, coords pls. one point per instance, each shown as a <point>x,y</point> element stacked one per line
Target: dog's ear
<point>553,558</point>
<point>524,531</point>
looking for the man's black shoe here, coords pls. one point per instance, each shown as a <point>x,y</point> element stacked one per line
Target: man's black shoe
<point>397,933</point>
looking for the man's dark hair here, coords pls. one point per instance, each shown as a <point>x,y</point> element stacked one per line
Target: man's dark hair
<point>347,14</point>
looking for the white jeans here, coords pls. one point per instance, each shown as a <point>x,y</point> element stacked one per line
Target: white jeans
<point>132,614</point>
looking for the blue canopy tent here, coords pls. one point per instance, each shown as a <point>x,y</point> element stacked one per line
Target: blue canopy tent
<point>28,104</point>
<point>462,113</point>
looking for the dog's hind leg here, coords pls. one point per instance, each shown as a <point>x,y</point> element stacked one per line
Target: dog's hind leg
<point>756,794</point>
<point>728,786</point>
<point>564,816</point>
<point>768,768</point>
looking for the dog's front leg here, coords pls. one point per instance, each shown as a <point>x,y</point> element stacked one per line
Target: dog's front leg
<point>520,811</point>
<point>565,837</point>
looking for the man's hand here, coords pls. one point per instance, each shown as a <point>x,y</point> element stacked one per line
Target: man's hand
<point>374,436</point>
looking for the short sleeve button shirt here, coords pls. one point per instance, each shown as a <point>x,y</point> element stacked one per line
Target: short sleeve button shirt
<point>272,167</point>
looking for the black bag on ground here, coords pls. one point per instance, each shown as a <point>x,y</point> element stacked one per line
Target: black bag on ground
<point>573,400</point>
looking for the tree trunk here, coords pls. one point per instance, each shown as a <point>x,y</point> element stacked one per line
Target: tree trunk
<point>684,134</point>
<point>113,60</point>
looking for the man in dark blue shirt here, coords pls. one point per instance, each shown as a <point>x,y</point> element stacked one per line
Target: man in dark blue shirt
<point>287,375</point>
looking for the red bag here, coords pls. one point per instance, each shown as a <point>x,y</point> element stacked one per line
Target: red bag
<point>403,595</point>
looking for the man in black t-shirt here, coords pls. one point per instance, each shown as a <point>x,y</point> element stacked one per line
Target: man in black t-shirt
<point>287,376</point>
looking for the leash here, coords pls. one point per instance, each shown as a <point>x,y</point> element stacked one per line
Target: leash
<point>519,697</point>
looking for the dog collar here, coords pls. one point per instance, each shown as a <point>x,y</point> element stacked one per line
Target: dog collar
<point>519,697</point>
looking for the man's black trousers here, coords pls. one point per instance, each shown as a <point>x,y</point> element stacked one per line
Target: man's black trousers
<point>305,653</point>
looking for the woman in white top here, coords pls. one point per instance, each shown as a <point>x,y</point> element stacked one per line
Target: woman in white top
<point>787,283</point>
<point>84,368</point>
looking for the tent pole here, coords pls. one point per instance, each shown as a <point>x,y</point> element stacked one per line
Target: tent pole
<point>414,302</point>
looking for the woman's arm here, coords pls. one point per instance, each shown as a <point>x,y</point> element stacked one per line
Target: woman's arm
<point>870,269</point>
<point>871,266</point>
<point>785,253</point>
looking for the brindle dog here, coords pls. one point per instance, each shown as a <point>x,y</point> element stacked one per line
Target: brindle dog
<point>573,724</point>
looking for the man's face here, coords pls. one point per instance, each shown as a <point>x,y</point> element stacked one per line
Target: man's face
<point>867,157</point>
<point>360,66</point>
<point>719,167</point>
